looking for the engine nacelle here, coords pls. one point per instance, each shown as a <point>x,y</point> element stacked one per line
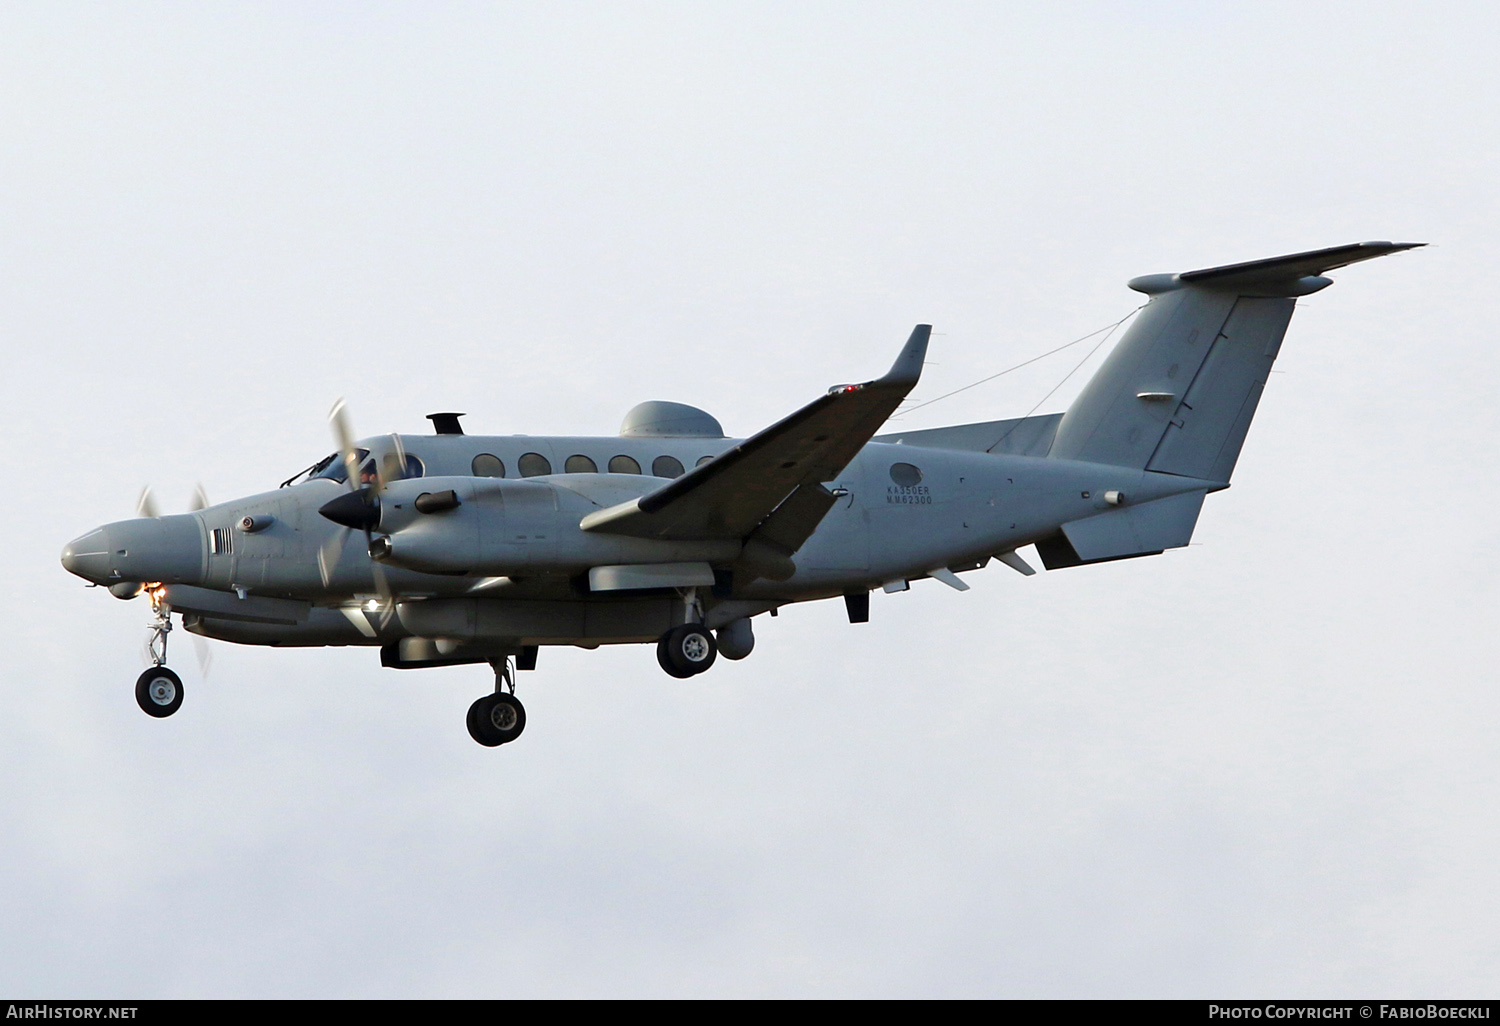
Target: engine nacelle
<point>493,527</point>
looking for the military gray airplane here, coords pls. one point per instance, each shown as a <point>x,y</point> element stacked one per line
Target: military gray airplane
<point>483,549</point>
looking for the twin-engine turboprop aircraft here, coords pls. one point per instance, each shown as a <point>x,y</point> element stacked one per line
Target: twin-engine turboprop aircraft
<point>450,548</point>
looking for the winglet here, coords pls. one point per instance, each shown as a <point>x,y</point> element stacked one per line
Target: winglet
<point>908,366</point>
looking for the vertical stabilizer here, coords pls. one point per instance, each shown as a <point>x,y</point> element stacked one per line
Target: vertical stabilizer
<point>1178,392</point>
<point>1207,428</point>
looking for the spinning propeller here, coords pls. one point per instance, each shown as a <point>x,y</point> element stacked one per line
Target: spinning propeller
<point>360,508</point>
<point>146,506</point>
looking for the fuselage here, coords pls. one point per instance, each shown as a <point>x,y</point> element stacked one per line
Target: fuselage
<point>512,561</point>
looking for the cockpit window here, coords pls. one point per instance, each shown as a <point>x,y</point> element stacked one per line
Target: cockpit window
<point>332,467</point>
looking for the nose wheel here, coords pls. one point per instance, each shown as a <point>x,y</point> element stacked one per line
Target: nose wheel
<point>158,692</point>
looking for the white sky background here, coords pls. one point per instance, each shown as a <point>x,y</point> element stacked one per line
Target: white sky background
<point>1263,765</point>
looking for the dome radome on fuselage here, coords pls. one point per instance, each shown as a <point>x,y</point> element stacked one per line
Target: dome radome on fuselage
<point>660,419</point>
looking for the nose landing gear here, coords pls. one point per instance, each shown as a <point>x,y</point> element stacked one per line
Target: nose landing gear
<point>158,691</point>
<point>498,719</point>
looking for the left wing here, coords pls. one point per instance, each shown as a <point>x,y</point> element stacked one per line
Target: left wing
<point>731,495</point>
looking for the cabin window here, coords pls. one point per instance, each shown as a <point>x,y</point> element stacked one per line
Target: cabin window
<point>580,465</point>
<point>623,465</point>
<point>666,466</point>
<point>391,467</point>
<point>905,475</point>
<point>485,465</point>
<point>703,460</point>
<point>533,464</point>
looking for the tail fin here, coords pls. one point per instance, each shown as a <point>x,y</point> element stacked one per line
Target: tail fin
<point>1177,393</point>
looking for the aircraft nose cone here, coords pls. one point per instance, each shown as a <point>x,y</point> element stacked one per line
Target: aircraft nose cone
<point>170,549</point>
<point>88,556</point>
<point>167,549</point>
<point>353,510</point>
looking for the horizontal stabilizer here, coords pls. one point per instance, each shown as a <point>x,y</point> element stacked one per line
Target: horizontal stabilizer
<point>1295,274</point>
<point>1143,530</point>
<point>1019,436</point>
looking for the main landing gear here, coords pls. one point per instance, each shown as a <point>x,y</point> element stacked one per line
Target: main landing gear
<point>689,648</point>
<point>498,719</point>
<point>686,650</point>
<point>158,691</point>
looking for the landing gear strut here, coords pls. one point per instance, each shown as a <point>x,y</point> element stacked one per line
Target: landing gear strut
<point>498,719</point>
<point>158,691</point>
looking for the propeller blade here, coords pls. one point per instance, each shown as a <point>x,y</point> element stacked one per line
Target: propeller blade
<point>383,587</point>
<point>388,467</point>
<point>329,553</point>
<point>200,499</point>
<point>204,654</point>
<point>145,506</point>
<point>343,436</point>
<point>400,455</point>
<point>392,465</point>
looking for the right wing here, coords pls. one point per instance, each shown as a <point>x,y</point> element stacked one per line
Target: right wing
<point>743,487</point>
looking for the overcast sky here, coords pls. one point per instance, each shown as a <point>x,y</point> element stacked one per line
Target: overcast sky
<point>1265,764</point>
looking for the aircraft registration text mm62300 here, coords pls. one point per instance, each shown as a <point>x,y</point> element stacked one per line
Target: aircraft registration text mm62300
<point>448,548</point>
